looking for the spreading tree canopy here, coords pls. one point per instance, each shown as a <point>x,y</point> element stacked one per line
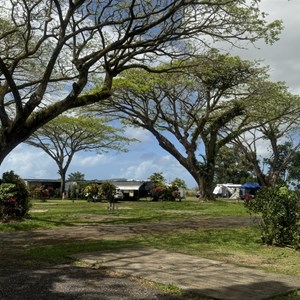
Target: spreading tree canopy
<point>190,112</point>
<point>51,51</point>
<point>271,145</point>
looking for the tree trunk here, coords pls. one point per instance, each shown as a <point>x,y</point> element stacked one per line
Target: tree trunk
<point>63,191</point>
<point>206,187</point>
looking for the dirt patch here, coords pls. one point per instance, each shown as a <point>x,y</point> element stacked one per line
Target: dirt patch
<point>116,231</point>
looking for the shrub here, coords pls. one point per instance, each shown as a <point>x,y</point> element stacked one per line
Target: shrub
<point>77,191</point>
<point>279,209</point>
<point>164,192</point>
<point>107,191</point>
<point>91,191</point>
<point>14,196</point>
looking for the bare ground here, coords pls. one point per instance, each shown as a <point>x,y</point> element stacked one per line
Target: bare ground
<point>116,231</point>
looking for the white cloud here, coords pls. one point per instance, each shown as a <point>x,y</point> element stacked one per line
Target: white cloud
<point>140,134</point>
<point>29,162</point>
<point>91,160</point>
<point>150,163</point>
<point>283,55</point>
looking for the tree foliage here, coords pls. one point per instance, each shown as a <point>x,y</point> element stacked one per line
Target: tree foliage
<point>92,191</point>
<point>179,183</point>
<point>107,190</point>
<point>232,166</point>
<point>76,176</point>
<point>157,177</point>
<point>279,209</point>
<point>193,109</point>
<point>14,197</point>
<point>293,177</point>
<point>164,192</point>
<point>275,126</point>
<point>51,51</point>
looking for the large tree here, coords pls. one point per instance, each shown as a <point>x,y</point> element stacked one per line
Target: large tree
<point>293,174</point>
<point>189,112</point>
<point>64,136</point>
<point>270,147</point>
<point>232,166</point>
<point>50,48</point>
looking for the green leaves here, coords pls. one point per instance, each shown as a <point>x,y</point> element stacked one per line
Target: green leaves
<point>14,197</point>
<point>279,209</point>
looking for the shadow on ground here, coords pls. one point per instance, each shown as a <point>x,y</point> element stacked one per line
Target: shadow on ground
<point>70,282</point>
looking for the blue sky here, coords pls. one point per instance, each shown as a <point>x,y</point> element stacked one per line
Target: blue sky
<point>146,157</point>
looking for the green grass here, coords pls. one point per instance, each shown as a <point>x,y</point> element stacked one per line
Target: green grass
<point>61,253</point>
<point>291,296</point>
<point>58,213</point>
<point>235,245</point>
<point>239,246</point>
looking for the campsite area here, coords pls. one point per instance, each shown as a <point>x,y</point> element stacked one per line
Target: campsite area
<point>220,230</point>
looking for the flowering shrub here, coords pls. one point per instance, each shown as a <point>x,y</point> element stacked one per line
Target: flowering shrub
<point>91,191</point>
<point>161,191</point>
<point>14,197</point>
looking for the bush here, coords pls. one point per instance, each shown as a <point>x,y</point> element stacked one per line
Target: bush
<point>14,197</point>
<point>164,192</point>
<point>279,209</point>
<point>107,191</point>
<point>91,192</point>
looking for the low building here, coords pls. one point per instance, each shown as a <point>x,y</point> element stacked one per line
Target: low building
<point>46,183</point>
<point>133,189</point>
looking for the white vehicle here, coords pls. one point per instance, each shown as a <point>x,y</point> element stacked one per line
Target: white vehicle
<point>118,195</point>
<point>227,190</point>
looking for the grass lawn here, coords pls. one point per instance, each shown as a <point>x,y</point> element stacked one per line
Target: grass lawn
<point>57,213</point>
<point>235,245</point>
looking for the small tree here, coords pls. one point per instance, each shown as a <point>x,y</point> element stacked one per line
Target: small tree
<point>279,209</point>
<point>157,177</point>
<point>180,183</point>
<point>91,191</point>
<point>108,190</point>
<point>14,197</point>
<point>64,136</point>
<point>76,176</point>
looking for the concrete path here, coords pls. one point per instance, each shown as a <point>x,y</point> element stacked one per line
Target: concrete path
<point>205,277</point>
<point>213,279</point>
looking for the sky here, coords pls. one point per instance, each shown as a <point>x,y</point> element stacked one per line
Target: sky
<point>146,157</point>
